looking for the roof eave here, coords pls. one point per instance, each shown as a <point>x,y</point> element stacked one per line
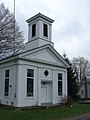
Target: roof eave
<point>40,15</point>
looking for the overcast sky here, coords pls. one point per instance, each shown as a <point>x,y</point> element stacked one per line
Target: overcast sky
<point>71,28</point>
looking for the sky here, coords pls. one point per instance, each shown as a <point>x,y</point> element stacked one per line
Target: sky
<point>71,28</point>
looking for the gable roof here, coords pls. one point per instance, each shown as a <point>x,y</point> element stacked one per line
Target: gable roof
<point>38,55</point>
<point>46,54</point>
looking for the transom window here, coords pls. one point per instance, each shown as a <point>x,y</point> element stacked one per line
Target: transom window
<point>33,30</point>
<point>6,90</point>
<point>59,84</point>
<point>30,82</point>
<point>45,30</point>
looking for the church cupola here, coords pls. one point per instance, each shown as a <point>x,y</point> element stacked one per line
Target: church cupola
<point>39,31</point>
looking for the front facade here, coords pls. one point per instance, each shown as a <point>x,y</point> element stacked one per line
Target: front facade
<point>38,75</point>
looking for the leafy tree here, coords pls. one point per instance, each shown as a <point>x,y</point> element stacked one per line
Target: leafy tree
<point>11,38</point>
<point>73,86</point>
<point>81,66</point>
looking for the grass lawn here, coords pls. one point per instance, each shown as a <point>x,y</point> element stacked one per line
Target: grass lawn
<point>44,114</point>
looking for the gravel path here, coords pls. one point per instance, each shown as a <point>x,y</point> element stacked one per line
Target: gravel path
<point>81,117</point>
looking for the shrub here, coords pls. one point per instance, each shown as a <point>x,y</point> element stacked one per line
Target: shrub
<point>69,100</point>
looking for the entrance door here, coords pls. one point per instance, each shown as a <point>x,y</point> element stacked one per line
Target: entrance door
<point>44,94</point>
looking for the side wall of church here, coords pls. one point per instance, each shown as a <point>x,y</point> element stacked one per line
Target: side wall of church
<point>9,99</point>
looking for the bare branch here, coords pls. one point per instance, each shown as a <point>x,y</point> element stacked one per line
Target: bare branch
<point>11,38</point>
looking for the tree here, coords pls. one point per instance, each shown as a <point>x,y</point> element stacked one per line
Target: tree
<point>81,66</point>
<point>73,86</point>
<point>11,38</point>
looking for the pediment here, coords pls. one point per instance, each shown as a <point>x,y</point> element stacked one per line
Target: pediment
<point>47,55</point>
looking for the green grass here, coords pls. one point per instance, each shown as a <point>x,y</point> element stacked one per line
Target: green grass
<point>44,114</point>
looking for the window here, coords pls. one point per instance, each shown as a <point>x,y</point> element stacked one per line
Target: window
<point>33,30</point>
<point>30,82</point>
<point>81,92</point>
<point>45,30</point>
<point>59,84</point>
<point>6,91</point>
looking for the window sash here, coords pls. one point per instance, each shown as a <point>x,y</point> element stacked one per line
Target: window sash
<point>6,91</point>
<point>59,76</point>
<point>59,88</point>
<point>30,73</point>
<point>30,82</point>
<point>59,84</point>
<point>29,87</point>
<point>6,73</point>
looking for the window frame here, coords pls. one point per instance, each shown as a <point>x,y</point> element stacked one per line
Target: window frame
<point>60,81</point>
<point>6,84</point>
<point>30,78</point>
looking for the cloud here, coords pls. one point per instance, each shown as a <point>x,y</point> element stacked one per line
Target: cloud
<point>71,29</point>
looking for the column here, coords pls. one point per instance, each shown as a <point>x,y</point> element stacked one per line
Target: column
<point>54,87</point>
<point>39,87</point>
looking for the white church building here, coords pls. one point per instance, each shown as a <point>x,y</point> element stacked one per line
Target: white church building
<point>38,75</point>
